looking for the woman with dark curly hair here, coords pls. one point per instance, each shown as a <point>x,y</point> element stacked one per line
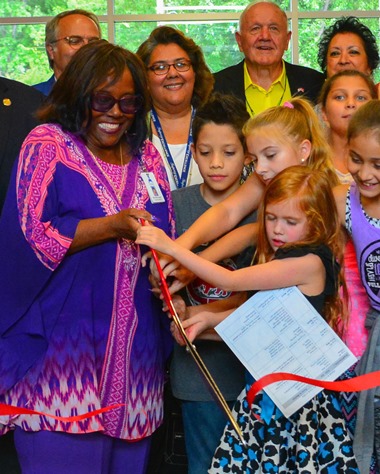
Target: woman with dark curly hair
<point>79,327</point>
<point>179,81</point>
<point>348,44</point>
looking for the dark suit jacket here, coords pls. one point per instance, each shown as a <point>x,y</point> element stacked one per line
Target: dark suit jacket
<point>18,102</point>
<point>302,81</point>
<point>45,87</point>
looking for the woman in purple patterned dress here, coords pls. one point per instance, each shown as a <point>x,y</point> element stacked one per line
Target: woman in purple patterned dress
<point>79,326</point>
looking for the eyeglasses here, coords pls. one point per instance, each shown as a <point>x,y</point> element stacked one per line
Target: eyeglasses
<point>76,42</point>
<point>103,102</point>
<point>163,68</point>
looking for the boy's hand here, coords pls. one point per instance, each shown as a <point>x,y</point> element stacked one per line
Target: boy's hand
<point>178,278</point>
<point>181,310</point>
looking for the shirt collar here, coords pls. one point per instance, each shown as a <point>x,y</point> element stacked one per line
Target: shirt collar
<point>280,80</point>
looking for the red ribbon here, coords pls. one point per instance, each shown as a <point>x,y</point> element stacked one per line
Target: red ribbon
<point>355,384</point>
<point>15,411</point>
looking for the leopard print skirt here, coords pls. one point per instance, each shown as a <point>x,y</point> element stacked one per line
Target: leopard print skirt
<point>313,440</point>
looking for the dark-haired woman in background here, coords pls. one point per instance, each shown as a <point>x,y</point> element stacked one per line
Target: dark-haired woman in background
<point>80,328</point>
<point>179,81</point>
<point>348,44</point>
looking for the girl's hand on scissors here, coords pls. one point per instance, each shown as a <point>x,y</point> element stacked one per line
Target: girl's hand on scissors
<point>154,238</point>
<point>195,326</point>
<point>194,323</point>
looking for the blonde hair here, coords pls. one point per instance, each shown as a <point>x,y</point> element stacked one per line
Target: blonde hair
<point>297,121</point>
<point>315,198</point>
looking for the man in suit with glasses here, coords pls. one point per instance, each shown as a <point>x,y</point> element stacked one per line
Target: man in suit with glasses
<point>65,34</point>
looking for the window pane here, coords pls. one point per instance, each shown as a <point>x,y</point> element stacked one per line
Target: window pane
<point>309,32</point>
<point>200,6</point>
<point>29,8</point>
<point>176,6</point>
<point>336,5</point>
<point>131,34</point>
<point>147,7</point>
<point>26,43</point>
<point>22,53</point>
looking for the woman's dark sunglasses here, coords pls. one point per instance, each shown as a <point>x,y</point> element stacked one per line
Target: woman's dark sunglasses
<point>103,102</point>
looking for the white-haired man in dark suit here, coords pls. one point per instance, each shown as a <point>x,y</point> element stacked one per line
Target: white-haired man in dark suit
<point>263,79</point>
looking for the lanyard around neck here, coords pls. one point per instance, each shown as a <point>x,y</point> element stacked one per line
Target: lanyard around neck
<point>180,181</point>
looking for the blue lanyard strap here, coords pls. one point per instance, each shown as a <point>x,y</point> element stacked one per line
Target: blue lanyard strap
<point>180,182</point>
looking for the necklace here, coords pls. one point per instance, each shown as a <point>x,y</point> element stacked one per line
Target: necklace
<point>108,171</point>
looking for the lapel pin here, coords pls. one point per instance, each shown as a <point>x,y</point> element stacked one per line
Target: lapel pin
<point>7,102</point>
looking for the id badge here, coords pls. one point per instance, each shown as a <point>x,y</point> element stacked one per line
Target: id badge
<point>153,188</point>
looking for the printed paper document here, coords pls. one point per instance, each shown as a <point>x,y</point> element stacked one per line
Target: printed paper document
<point>280,331</point>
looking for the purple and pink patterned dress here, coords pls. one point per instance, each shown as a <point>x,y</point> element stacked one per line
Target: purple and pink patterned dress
<point>82,331</point>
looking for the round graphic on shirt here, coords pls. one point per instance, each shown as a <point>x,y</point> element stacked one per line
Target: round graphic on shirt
<point>370,270</point>
<point>201,292</point>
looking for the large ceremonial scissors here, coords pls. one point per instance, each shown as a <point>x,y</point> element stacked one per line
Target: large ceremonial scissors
<point>192,349</point>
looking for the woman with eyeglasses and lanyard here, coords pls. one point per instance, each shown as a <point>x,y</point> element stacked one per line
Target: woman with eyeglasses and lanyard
<point>80,329</point>
<point>179,81</point>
